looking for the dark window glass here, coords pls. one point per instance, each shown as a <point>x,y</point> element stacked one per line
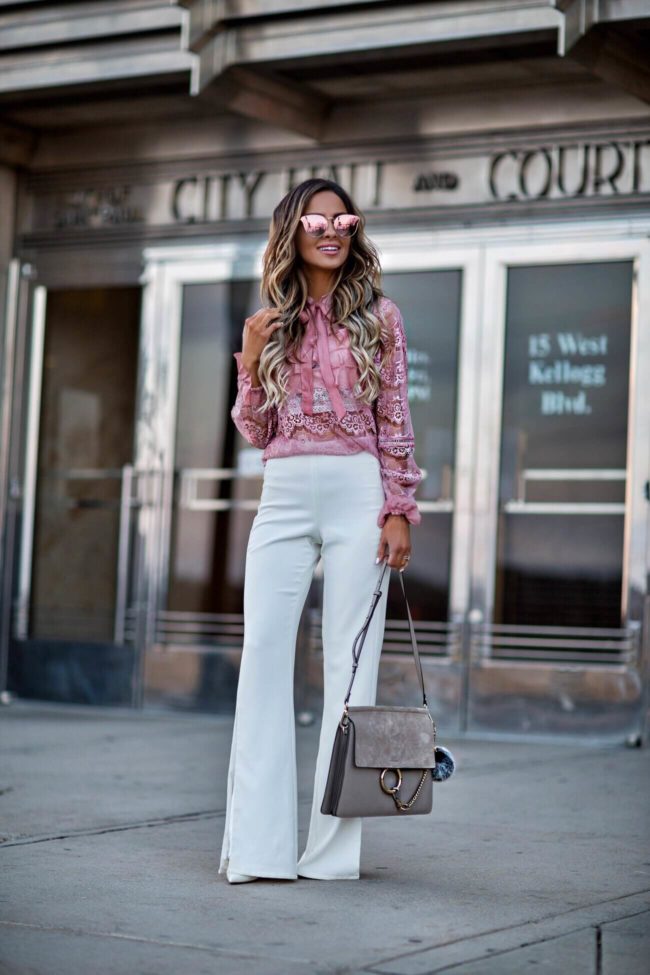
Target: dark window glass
<point>563,445</point>
<point>86,436</point>
<point>430,305</point>
<point>208,546</point>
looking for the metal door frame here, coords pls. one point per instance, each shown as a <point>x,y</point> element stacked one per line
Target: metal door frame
<point>23,325</point>
<point>498,261</point>
<point>167,271</point>
<point>34,387</point>
<point>10,388</point>
<point>609,655</point>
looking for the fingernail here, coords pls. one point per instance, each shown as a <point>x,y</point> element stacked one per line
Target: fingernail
<point>376,560</point>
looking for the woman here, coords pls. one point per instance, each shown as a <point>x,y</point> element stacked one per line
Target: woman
<point>322,388</point>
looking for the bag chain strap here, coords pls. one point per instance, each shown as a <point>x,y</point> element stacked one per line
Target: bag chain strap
<point>394,790</point>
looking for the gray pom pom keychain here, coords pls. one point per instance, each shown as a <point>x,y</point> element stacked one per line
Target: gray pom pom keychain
<point>445,764</point>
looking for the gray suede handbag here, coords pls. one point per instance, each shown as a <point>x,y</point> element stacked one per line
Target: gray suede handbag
<point>383,761</point>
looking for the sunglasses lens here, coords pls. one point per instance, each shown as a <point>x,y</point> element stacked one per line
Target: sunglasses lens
<point>314,224</point>
<point>345,224</point>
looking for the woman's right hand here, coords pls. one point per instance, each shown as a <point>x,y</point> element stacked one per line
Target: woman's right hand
<point>258,329</point>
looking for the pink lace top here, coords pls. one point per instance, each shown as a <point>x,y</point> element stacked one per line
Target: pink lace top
<point>322,414</point>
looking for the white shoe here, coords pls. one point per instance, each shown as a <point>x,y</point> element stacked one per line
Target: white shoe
<point>239,878</point>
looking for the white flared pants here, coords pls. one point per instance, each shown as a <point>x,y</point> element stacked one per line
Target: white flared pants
<point>312,506</point>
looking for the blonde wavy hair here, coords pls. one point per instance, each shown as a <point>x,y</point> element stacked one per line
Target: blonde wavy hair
<point>355,295</point>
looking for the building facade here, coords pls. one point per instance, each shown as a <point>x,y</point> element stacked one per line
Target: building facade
<point>501,152</point>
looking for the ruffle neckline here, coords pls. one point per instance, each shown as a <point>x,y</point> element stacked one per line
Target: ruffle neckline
<point>317,312</point>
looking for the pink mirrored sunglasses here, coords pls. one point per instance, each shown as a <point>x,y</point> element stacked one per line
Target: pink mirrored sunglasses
<point>315,224</point>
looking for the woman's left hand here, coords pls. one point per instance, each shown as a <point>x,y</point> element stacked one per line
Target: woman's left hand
<point>395,542</point>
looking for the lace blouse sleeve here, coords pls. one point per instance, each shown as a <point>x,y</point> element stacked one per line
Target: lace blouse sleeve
<point>258,428</point>
<point>395,439</point>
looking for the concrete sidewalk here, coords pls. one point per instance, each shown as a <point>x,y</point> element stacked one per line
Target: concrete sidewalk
<point>535,858</point>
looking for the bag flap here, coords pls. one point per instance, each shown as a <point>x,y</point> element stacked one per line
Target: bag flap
<point>393,737</point>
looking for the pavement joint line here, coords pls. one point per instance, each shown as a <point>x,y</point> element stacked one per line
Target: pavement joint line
<point>119,828</point>
<point>117,935</point>
<point>498,952</point>
<point>122,827</point>
<point>372,969</point>
<point>216,813</point>
<point>512,928</point>
<point>624,917</point>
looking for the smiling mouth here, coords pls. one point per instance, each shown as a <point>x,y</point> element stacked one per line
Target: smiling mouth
<point>329,249</point>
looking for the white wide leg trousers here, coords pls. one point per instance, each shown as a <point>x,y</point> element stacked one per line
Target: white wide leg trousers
<point>312,506</point>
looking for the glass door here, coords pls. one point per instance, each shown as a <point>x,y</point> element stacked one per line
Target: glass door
<point>196,300</point>
<point>559,561</point>
<point>76,499</point>
<point>435,302</point>
<point>217,481</point>
<point>436,296</point>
